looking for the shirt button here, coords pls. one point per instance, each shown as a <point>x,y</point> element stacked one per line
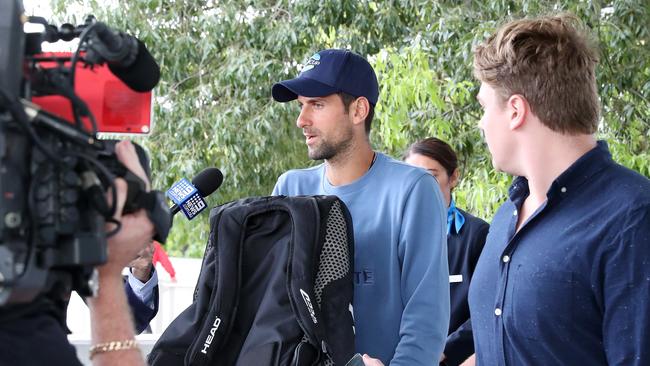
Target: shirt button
<point>514,213</point>
<point>563,189</point>
<point>506,259</point>
<point>497,312</point>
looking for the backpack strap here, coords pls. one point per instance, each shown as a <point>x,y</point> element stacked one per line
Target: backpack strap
<point>333,285</point>
<point>319,275</point>
<point>219,315</point>
<point>305,245</point>
<point>330,273</point>
<point>177,342</point>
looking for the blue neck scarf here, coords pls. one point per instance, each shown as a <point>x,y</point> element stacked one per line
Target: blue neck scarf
<point>454,218</point>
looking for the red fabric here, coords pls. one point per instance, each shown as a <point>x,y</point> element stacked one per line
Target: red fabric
<point>160,256</point>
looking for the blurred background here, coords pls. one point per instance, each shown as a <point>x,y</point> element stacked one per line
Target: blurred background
<point>218,60</point>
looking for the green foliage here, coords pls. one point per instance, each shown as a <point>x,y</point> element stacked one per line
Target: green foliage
<point>219,60</point>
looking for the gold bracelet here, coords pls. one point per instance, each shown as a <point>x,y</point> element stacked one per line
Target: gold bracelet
<point>112,346</point>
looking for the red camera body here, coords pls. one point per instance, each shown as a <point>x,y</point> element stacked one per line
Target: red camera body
<point>116,108</point>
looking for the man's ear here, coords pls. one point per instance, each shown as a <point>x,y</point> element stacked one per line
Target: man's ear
<point>359,110</point>
<point>453,180</point>
<point>518,110</point>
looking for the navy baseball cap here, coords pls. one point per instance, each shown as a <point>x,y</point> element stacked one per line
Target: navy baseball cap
<point>328,72</point>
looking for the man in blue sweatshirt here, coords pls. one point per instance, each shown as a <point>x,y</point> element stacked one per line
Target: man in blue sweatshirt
<point>401,293</point>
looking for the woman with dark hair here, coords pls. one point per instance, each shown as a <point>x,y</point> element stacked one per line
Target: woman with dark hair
<point>465,239</point>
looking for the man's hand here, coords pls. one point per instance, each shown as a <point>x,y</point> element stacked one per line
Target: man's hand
<point>369,361</point>
<point>136,229</point>
<point>141,266</point>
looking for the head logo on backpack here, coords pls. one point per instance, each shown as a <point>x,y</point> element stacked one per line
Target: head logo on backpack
<point>274,290</point>
<point>208,339</point>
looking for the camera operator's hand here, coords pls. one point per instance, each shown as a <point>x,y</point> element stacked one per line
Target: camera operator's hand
<point>113,335</point>
<point>136,229</point>
<point>127,155</point>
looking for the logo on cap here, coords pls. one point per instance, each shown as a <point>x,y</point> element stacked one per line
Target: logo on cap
<point>311,63</point>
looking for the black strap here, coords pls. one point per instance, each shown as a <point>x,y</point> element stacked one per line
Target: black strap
<point>303,261</point>
<point>223,301</point>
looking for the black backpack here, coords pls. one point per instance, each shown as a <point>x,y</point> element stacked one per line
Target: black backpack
<point>275,288</point>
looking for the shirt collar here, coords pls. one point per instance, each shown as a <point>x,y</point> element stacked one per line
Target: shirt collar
<point>454,218</point>
<point>579,172</point>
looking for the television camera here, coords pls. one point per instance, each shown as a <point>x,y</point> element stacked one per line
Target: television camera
<point>55,171</point>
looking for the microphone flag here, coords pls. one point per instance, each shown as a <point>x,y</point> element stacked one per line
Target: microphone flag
<point>187,198</point>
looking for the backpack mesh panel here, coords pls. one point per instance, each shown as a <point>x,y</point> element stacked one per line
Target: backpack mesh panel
<point>334,262</point>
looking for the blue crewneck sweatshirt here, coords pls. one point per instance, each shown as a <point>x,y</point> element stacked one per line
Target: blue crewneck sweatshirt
<point>401,276</point>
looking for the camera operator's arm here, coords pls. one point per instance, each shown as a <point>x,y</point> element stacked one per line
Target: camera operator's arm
<point>111,322</point>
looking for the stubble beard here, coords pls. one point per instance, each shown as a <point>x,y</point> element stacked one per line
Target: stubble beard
<point>331,150</point>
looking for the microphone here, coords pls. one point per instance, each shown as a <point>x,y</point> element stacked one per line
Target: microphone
<point>127,57</point>
<point>188,197</point>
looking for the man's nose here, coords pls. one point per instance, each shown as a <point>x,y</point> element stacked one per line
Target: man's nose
<point>303,118</point>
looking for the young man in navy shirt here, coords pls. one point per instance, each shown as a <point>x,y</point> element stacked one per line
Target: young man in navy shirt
<point>564,278</point>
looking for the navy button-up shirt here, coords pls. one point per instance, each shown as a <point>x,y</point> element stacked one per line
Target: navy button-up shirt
<point>572,287</point>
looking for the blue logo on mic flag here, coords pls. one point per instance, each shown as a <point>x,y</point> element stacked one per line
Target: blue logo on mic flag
<point>187,198</point>
<point>180,191</point>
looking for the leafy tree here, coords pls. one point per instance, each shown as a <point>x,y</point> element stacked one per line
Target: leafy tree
<point>219,60</point>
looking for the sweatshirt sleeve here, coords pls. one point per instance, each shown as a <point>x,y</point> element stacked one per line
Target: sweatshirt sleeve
<point>278,188</point>
<point>425,276</point>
